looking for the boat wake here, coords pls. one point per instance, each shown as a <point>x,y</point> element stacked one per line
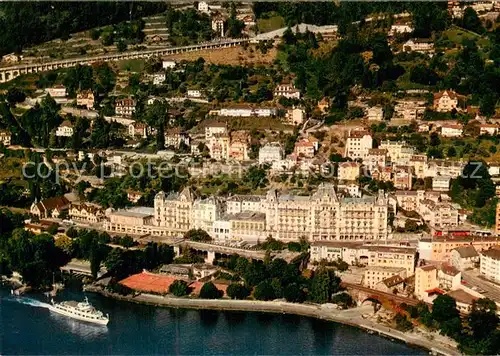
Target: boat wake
<point>28,301</point>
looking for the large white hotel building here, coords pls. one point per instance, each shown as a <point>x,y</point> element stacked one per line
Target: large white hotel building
<point>323,215</point>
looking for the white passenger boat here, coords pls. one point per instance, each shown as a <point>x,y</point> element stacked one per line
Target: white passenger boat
<point>81,311</point>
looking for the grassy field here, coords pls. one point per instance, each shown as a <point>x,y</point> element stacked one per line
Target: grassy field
<point>131,65</point>
<point>457,35</point>
<point>230,56</point>
<point>270,24</point>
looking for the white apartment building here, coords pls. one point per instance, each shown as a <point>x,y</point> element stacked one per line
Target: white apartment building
<point>385,256</point>
<point>377,157</point>
<point>441,183</point>
<point>398,151</point>
<point>125,107</point>
<point>358,144</point>
<point>206,212</point>
<point>418,45</point>
<point>65,129</point>
<point>271,152</point>
<point>464,257</point>
<point>215,128</point>
<point>490,264</point>
<point>452,130</point>
<point>194,93</point>
<point>236,204</point>
<point>400,28</point>
<point>245,110</point>
<point>168,64</point>
<point>488,129</point>
<point>58,91</point>
<point>287,90</point>
<point>441,167</point>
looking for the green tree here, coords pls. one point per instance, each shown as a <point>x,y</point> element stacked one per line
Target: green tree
<point>444,308</point>
<point>471,21</point>
<point>344,300</point>
<point>210,291</point>
<point>198,235</point>
<point>483,319</point>
<point>179,288</point>
<point>264,291</point>
<point>320,286</point>
<point>293,293</point>
<point>237,291</point>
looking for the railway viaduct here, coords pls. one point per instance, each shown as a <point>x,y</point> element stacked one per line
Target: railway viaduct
<point>9,73</point>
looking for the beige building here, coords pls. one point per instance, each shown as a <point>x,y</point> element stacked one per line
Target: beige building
<point>205,212</point>
<point>375,113</point>
<point>425,281</point>
<point>86,212</point>
<point>439,214</point>
<point>418,163</point>
<point>5,137</point>
<point>398,151</point>
<point>393,257</point>
<point>323,216</point>
<point>247,226</point>
<point>497,219</point>
<point>136,221</point>
<point>409,199</point>
<point>295,116</point>
<point>394,284</point>
<point>175,136</point>
<point>174,211</point>
<point>445,101</point>
<point>85,98</point>
<point>349,171</point>
<point>305,148</point>
<point>490,264</point>
<point>238,150</point>
<point>441,248</point>
<point>374,275</point>
<point>215,128</point>
<point>219,146</point>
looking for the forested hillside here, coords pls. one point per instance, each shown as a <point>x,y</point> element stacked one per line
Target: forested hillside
<point>24,24</point>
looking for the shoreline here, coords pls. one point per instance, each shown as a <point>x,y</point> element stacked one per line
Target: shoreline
<point>322,312</point>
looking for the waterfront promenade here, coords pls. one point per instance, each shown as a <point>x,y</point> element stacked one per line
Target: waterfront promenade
<point>353,317</point>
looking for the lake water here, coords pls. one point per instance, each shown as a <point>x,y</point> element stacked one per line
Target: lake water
<point>28,328</point>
